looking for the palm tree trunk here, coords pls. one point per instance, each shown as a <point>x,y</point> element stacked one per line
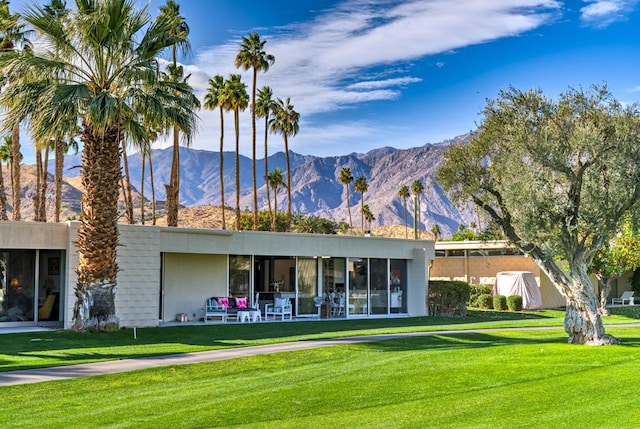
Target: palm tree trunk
<point>36,191</point>
<point>349,207</point>
<point>128,200</point>
<point>362,211</point>
<point>236,119</point>
<point>173,188</point>
<point>143,159</point>
<point>406,228</point>
<point>58,178</point>
<point>43,192</point>
<point>3,197</point>
<point>266,162</point>
<point>16,159</point>
<point>98,233</point>
<point>153,189</point>
<point>286,150</point>
<point>224,222</point>
<point>253,150</point>
<point>275,210</point>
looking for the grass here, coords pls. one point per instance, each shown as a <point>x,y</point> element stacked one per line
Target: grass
<point>473,380</point>
<point>45,349</point>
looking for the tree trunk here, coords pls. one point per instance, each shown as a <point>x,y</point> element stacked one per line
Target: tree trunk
<point>253,150</point>
<point>406,227</point>
<point>36,190</point>
<point>143,158</point>
<point>349,207</point>
<point>286,151</point>
<point>58,178</point>
<point>98,233</point>
<point>605,289</point>
<point>266,163</point>
<point>16,159</point>
<point>582,321</point>
<point>153,190</point>
<point>236,119</point>
<point>224,223</point>
<point>275,210</point>
<point>3,198</point>
<point>43,191</point>
<point>128,199</point>
<point>173,188</point>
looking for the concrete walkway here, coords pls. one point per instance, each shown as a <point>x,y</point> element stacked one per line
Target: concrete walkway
<point>124,365</point>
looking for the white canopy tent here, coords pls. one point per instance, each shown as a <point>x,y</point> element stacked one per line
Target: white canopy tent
<point>521,283</point>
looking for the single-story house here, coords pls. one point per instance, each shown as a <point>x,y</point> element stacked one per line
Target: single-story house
<point>169,271</point>
<point>478,262</point>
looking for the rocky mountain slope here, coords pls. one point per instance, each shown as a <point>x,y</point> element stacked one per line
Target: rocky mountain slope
<point>315,187</point>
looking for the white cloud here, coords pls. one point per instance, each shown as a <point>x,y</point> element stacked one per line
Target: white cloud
<point>362,51</point>
<point>374,84</point>
<point>602,13</point>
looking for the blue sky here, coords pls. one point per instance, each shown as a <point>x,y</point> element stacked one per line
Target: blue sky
<point>370,73</point>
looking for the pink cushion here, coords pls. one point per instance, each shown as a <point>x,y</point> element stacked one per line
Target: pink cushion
<point>224,302</point>
<point>241,302</point>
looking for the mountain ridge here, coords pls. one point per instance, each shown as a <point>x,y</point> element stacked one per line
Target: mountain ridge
<point>315,189</point>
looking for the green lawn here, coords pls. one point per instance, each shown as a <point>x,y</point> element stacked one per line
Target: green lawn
<point>43,349</point>
<point>486,380</point>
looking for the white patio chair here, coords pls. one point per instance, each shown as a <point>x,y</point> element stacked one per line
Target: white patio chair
<point>625,298</point>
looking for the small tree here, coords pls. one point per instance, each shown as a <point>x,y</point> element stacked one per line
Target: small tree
<point>615,258</point>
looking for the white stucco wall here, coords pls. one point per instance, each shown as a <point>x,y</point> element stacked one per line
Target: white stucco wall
<point>189,280</point>
<point>196,264</point>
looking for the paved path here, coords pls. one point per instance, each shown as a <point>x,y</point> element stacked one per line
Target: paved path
<point>124,365</point>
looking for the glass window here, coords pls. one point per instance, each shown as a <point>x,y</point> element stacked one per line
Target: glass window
<point>358,285</point>
<point>440,253</point>
<point>398,285</point>
<point>307,285</point>
<point>455,253</point>
<point>379,286</point>
<point>17,285</point>
<point>239,270</point>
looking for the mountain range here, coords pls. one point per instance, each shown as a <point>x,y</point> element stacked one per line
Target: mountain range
<point>315,186</point>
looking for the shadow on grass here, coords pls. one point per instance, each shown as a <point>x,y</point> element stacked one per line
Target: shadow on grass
<point>438,342</point>
<point>42,349</point>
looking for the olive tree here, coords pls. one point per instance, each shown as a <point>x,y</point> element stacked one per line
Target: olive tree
<point>557,176</point>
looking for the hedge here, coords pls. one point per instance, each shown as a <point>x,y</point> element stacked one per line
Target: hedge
<point>514,303</point>
<point>499,302</point>
<point>448,298</point>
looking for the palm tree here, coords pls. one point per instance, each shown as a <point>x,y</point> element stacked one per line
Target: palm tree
<point>175,75</point>
<point>238,100</point>
<point>285,122</point>
<point>179,33</point>
<point>346,178</point>
<point>361,186</point>
<point>265,106</point>
<point>275,181</point>
<point>62,147</point>
<point>5,156</point>
<point>217,97</point>
<point>13,35</point>
<point>404,194</point>
<point>107,95</point>
<point>416,189</point>
<point>368,215</point>
<point>252,56</point>
<point>435,230</point>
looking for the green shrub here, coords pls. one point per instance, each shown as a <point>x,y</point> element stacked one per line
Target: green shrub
<point>476,291</point>
<point>514,303</point>
<point>499,302</point>
<point>485,301</point>
<point>448,298</point>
